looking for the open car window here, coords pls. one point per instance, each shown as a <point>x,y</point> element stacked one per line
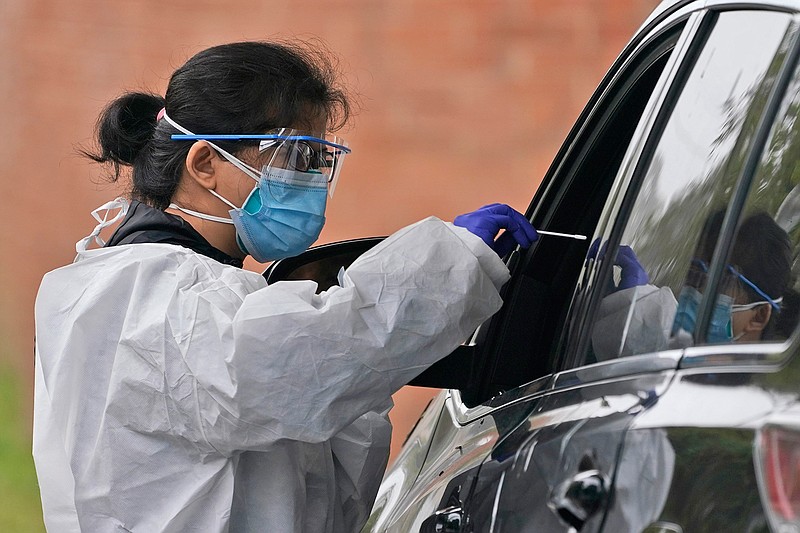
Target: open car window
<point>523,336</point>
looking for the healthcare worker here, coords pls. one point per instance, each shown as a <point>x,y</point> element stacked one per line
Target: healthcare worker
<point>175,391</point>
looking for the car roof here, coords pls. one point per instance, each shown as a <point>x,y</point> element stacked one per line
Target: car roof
<point>668,6</point>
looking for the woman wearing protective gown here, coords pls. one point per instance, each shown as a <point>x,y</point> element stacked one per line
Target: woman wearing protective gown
<point>176,391</point>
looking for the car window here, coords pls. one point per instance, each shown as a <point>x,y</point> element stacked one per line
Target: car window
<point>684,187</point>
<point>537,299</point>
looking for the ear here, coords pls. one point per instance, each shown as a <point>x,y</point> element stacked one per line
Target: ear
<point>759,318</point>
<point>202,164</point>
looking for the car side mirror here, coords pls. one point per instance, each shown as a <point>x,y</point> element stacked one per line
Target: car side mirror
<point>323,263</point>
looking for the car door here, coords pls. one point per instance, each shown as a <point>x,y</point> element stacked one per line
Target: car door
<point>732,407</point>
<point>517,350</point>
<point>558,469</point>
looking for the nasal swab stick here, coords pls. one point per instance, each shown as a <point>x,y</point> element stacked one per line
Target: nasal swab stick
<point>567,235</point>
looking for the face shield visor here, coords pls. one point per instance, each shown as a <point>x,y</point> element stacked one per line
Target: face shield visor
<point>304,155</point>
<point>303,152</point>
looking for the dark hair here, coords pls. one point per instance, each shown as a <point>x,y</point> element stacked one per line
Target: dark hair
<point>763,253</point>
<point>246,87</point>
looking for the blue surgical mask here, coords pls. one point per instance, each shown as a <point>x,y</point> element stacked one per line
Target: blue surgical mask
<point>283,215</point>
<point>720,329</point>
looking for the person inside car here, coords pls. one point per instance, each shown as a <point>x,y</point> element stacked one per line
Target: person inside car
<point>638,317</point>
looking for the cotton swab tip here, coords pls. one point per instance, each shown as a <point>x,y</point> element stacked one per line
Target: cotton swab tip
<point>566,235</point>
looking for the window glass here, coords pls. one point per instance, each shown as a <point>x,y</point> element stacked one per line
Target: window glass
<point>757,300</point>
<point>691,175</point>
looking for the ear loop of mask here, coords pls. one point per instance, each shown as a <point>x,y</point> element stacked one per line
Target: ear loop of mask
<point>204,216</point>
<point>244,167</point>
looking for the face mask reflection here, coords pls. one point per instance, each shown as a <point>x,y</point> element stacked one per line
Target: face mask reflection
<point>733,286</point>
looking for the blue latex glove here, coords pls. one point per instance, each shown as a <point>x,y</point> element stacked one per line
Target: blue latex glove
<point>632,272</point>
<point>487,222</point>
<point>594,249</point>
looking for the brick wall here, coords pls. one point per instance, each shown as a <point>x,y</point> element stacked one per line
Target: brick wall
<point>463,103</point>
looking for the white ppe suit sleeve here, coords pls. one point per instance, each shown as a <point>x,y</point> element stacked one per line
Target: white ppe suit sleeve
<point>287,363</point>
<point>633,321</point>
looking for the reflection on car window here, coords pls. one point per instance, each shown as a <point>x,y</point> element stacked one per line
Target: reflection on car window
<point>691,177</point>
<point>764,299</point>
<point>752,282</point>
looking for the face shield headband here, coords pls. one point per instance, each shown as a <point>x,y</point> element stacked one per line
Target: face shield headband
<point>775,303</point>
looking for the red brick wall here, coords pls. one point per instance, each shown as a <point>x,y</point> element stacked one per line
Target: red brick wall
<point>464,103</point>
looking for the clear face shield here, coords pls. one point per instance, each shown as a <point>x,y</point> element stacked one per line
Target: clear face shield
<point>317,158</point>
<point>286,155</point>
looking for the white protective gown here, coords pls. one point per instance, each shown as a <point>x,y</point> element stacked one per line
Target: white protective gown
<point>175,393</point>
<point>634,321</point>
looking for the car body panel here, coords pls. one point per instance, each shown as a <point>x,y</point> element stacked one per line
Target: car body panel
<point>452,461</point>
<point>704,450</point>
<point>399,480</point>
<point>573,430</point>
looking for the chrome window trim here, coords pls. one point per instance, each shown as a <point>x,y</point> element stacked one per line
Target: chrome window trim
<point>463,414</point>
<point>740,355</point>
<point>617,368</point>
<point>677,6</point>
<point>604,371</point>
<point>787,6</point>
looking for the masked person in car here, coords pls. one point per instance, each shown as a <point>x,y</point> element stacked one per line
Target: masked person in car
<point>637,317</point>
<point>176,391</point>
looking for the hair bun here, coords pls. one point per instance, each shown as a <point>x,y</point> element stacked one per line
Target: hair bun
<point>126,125</point>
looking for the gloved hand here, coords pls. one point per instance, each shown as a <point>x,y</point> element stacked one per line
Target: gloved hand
<point>632,272</point>
<point>594,249</point>
<point>487,222</point>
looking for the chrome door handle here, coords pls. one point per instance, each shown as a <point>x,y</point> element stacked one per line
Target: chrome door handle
<point>447,520</point>
<point>579,498</point>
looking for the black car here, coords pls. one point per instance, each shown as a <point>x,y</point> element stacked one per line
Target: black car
<point>645,378</point>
